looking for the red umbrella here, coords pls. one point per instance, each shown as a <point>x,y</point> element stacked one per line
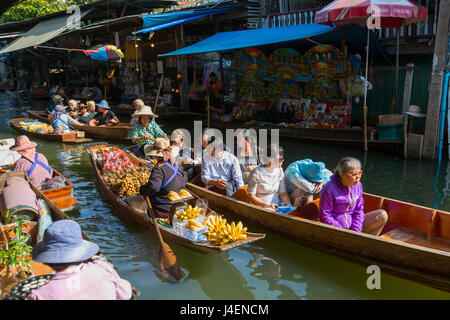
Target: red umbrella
<point>374,14</point>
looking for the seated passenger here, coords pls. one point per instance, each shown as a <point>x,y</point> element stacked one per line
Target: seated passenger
<point>166,176</point>
<point>17,194</point>
<point>247,154</point>
<point>185,156</point>
<point>266,186</point>
<point>220,169</point>
<point>91,107</point>
<point>146,129</point>
<point>77,275</point>
<point>304,179</point>
<point>35,164</point>
<point>84,116</point>
<point>104,115</point>
<point>342,203</point>
<point>62,121</point>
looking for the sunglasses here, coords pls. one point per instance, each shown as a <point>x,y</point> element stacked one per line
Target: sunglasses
<point>281,159</point>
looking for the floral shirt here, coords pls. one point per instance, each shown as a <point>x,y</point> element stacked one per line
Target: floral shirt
<point>153,130</point>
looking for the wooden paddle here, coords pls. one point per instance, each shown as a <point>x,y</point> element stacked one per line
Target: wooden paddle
<point>167,259</point>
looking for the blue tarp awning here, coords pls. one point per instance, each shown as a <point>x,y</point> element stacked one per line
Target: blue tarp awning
<point>153,22</point>
<point>224,41</point>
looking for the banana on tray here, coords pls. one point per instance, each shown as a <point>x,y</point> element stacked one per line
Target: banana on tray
<point>220,232</point>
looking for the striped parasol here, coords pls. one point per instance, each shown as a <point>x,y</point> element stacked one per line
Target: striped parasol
<point>104,52</point>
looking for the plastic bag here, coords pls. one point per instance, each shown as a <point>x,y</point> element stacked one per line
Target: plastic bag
<point>53,183</point>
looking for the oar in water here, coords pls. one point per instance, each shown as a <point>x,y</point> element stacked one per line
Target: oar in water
<point>167,259</point>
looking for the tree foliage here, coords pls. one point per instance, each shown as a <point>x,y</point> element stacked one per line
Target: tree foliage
<point>35,8</point>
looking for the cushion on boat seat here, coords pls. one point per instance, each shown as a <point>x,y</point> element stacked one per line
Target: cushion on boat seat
<point>242,194</point>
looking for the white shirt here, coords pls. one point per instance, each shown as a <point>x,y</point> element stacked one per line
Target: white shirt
<point>266,185</point>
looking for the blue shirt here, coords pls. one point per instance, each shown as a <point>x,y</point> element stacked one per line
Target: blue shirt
<point>227,168</point>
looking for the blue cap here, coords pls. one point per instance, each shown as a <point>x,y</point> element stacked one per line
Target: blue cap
<point>63,243</point>
<point>103,104</point>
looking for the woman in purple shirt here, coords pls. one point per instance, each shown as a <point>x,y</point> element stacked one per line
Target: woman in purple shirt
<point>342,203</point>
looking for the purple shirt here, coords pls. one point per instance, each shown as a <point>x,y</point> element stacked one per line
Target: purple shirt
<point>95,280</point>
<point>341,206</point>
<point>39,174</point>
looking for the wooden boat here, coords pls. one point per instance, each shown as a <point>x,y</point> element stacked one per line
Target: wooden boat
<point>119,132</point>
<point>338,136</point>
<point>414,244</point>
<point>32,227</point>
<point>141,217</point>
<point>65,138</point>
<point>62,197</point>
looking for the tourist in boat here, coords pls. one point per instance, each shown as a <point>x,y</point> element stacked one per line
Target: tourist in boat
<point>79,274</point>
<point>184,156</point>
<point>342,203</point>
<point>247,154</point>
<point>57,94</point>
<point>62,121</point>
<point>91,107</point>
<point>84,116</point>
<point>73,105</point>
<point>33,163</point>
<point>146,129</point>
<point>166,176</point>
<point>104,115</point>
<point>304,179</point>
<point>220,169</point>
<point>266,186</point>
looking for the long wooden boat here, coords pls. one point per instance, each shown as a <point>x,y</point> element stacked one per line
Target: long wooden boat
<point>337,136</point>
<point>65,138</point>
<point>118,132</point>
<point>32,227</point>
<point>141,217</point>
<point>414,244</point>
<point>62,197</point>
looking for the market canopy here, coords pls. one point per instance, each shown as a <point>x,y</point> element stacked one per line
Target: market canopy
<point>153,22</point>
<point>224,41</point>
<point>42,32</point>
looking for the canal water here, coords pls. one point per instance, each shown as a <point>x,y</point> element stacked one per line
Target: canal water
<point>273,268</point>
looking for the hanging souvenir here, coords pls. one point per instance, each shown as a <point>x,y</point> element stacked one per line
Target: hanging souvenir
<point>249,60</point>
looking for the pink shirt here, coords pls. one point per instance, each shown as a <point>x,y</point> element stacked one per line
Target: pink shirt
<point>39,174</point>
<point>95,280</point>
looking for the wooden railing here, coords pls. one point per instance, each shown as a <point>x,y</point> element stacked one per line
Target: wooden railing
<point>423,29</point>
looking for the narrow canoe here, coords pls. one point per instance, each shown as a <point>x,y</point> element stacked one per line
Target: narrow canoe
<point>32,228</point>
<point>65,138</point>
<point>62,197</point>
<point>119,132</point>
<point>141,217</point>
<point>415,243</point>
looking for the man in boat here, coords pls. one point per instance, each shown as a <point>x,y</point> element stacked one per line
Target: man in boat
<point>146,129</point>
<point>58,93</point>
<point>79,273</point>
<point>62,121</point>
<point>166,176</point>
<point>342,203</point>
<point>91,108</point>
<point>33,163</point>
<point>137,104</point>
<point>104,115</point>
<point>220,169</point>
<point>304,180</point>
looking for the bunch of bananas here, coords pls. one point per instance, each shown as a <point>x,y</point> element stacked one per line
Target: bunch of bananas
<point>173,196</point>
<point>188,213</point>
<point>184,193</point>
<point>194,225</point>
<point>220,232</point>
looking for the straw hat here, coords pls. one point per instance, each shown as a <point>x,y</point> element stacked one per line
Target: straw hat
<point>144,111</point>
<point>155,149</point>
<point>63,243</point>
<point>22,143</point>
<point>414,111</point>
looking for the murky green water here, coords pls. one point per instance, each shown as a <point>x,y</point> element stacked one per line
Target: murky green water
<point>273,268</point>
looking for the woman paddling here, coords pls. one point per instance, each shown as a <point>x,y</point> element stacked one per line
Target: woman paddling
<point>342,203</point>
<point>35,164</point>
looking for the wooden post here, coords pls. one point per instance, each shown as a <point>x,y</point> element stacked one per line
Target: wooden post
<point>157,96</point>
<point>408,86</point>
<point>437,77</point>
<point>182,69</point>
<point>405,136</point>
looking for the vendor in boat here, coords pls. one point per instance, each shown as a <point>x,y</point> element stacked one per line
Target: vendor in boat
<point>304,180</point>
<point>84,116</point>
<point>33,163</point>
<point>266,186</point>
<point>342,203</point>
<point>220,169</point>
<point>166,176</point>
<point>104,115</point>
<point>146,129</point>
<point>79,273</point>
<point>62,121</point>
<point>247,153</point>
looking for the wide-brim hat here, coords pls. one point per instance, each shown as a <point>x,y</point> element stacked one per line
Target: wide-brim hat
<point>414,111</point>
<point>144,111</point>
<point>155,150</point>
<point>22,143</point>
<point>57,97</point>
<point>314,171</point>
<point>63,243</point>
<point>103,104</point>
